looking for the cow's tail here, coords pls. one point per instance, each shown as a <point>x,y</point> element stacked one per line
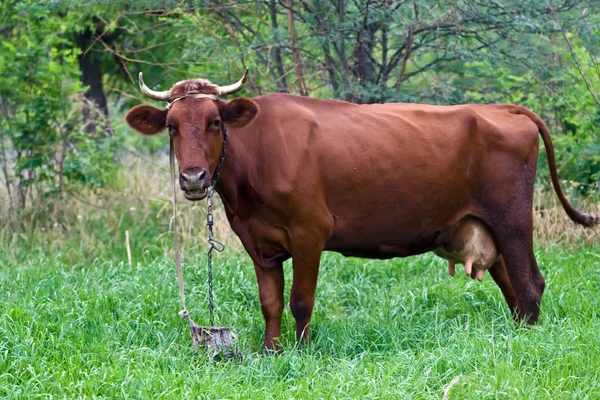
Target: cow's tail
<point>587,220</point>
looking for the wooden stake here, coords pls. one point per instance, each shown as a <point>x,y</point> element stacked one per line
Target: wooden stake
<point>128,247</point>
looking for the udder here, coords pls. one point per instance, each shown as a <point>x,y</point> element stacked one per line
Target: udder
<point>472,245</point>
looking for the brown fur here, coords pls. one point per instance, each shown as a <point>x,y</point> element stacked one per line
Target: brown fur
<point>192,86</point>
<point>384,180</point>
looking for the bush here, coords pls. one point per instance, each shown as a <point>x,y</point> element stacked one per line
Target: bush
<point>45,145</point>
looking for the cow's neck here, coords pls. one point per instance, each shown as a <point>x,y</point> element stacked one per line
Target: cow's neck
<point>234,173</point>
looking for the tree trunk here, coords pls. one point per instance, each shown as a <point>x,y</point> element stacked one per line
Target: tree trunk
<point>296,51</point>
<point>91,76</point>
<point>281,81</point>
<point>363,68</point>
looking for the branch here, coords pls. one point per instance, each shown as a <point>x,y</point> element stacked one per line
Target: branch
<point>574,56</point>
<point>409,41</point>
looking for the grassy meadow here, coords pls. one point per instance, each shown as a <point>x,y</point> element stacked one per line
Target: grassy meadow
<point>86,313</point>
<point>78,321</point>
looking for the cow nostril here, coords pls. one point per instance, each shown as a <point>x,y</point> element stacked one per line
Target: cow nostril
<point>192,180</point>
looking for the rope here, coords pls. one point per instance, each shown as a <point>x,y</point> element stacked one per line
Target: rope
<point>184,312</point>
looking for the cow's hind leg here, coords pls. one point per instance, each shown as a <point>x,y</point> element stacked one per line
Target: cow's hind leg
<point>507,202</point>
<point>500,275</point>
<point>514,238</point>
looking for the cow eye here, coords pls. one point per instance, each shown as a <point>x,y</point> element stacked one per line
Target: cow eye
<point>217,122</point>
<point>172,130</point>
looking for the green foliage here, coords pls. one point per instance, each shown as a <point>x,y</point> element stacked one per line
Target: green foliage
<point>427,51</point>
<point>44,142</point>
<point>565,103</point>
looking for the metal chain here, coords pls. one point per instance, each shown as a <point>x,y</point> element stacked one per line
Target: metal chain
<point>215,244</point>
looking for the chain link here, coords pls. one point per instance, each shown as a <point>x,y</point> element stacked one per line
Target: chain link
<point>215,244</point>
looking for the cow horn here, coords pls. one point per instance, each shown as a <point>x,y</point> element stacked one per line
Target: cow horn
<point>236,87</point>
<point>152,93</point>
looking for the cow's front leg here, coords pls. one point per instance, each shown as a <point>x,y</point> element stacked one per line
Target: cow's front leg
<point>302,298</point>
<point>270,289</point>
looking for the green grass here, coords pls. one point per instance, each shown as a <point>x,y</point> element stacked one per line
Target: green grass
<point>396,329</point>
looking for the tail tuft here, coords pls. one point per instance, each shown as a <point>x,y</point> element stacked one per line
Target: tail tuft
<point>589,220</point>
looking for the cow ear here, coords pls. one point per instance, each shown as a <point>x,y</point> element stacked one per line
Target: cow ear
<point>238,112</point>
<point>146,119</point>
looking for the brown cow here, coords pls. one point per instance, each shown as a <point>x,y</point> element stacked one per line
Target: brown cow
<point>382,180</point>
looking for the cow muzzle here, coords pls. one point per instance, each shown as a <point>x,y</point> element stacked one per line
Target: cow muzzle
<point>194,182</point>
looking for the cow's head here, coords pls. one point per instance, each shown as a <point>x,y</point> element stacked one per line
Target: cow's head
<point>194,117</point>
